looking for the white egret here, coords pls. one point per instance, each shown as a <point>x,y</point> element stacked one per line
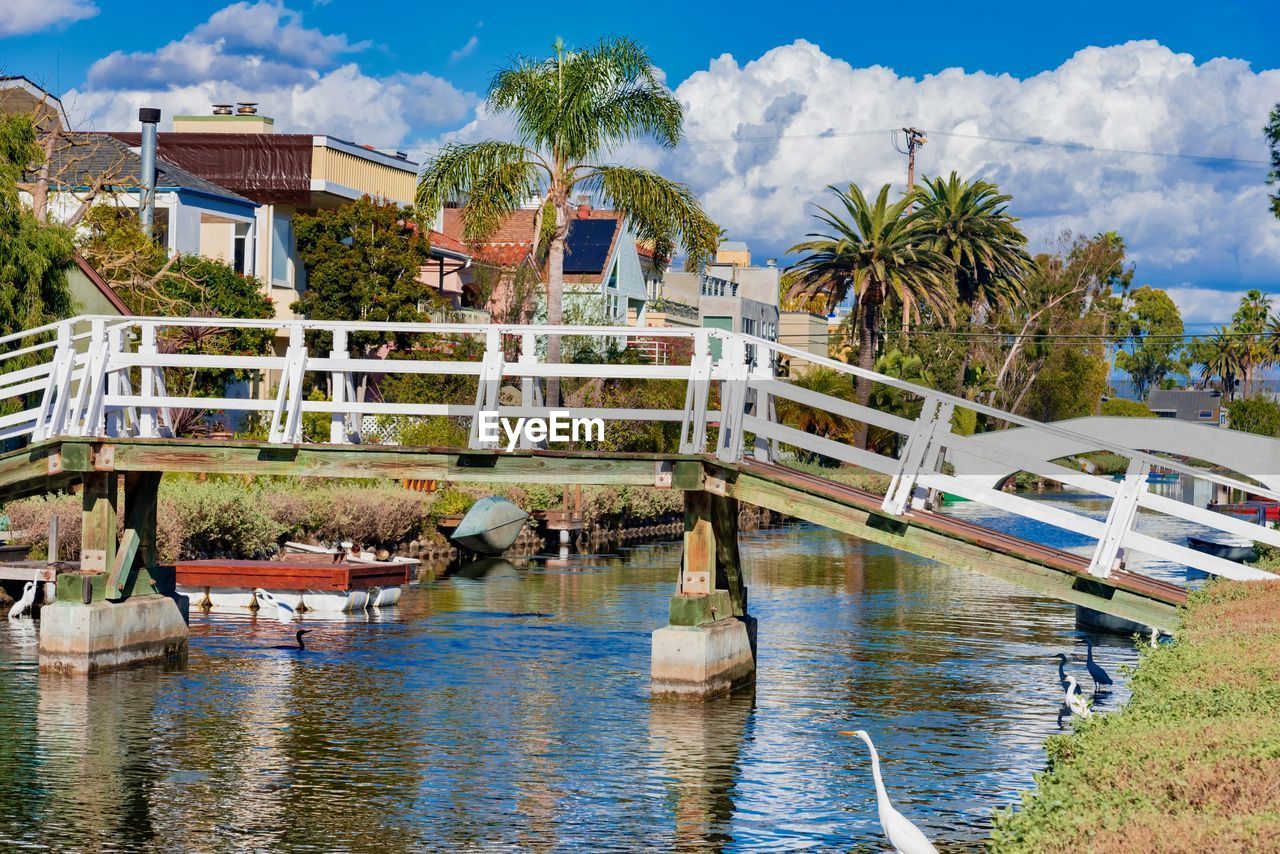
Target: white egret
<point>284,611</point>
<point>24,602</point>
<point>1100,676</point>
<point>904,836</point>
<point>1075,700</point>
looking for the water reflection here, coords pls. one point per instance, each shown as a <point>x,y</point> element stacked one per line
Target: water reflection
<point>509,709</point>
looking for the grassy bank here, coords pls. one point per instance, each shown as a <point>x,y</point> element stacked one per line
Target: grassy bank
<point>1192,762</point>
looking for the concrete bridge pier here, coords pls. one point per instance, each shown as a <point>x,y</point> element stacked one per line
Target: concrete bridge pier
<point>120,608</point>
<point>709,647</point>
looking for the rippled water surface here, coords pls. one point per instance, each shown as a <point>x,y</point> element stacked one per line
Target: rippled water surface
<point>511,710</point>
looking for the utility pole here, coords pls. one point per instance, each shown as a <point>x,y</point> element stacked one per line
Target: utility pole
<point>915,141</point>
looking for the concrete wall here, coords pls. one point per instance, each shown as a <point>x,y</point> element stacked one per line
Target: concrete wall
<point>803,331</point>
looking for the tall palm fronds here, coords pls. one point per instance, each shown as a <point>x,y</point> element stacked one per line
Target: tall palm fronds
<point>1223,358</point>
<point>969,223</point>
<point>879,253</point>
<point>570,109</point>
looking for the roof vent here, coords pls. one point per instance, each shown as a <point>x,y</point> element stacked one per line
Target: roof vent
<point>246,108</point>
<point>222,109</point>
<point>401,155</point>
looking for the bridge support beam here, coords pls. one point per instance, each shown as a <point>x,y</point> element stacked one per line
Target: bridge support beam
<point>709,646</point>
<point>120,609</point>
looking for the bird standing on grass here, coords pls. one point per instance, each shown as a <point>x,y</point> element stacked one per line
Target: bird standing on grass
<point>1075,701</point>
<point>1100,677</point>
<point>27,599</point>
<point>904,836</point>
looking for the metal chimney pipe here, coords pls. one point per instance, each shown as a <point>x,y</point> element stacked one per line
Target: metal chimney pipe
<point>150,118</point>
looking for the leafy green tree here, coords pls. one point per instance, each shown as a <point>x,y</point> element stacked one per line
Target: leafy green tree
<point>1255,414</point>
<point>1249,323</point>
<point>1119,406</point>
<point>363,261</point>
<point>1272,133</point>
<point>881,254</point>
<point>34,255</point>
<point>570,109</point>
<point>1153,329</point>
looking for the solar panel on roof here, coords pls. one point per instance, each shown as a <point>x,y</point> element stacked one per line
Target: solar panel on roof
<point>587,246</point>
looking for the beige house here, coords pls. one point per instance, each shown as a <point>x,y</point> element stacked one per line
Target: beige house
<point>285,174</point>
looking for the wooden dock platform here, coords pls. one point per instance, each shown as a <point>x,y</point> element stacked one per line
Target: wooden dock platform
<point>291,574</point>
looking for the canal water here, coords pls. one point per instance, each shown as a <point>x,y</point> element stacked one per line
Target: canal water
<point>510,711</point>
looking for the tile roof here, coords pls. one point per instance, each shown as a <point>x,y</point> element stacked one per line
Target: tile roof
<point>513,241</point>
<point>87,157</point>
<point>444,241</point>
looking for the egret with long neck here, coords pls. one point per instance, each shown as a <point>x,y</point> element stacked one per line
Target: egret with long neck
<point>1101,678</point>
<point>904,836</point>
<point>27,599</point>
<point>1062,669</point>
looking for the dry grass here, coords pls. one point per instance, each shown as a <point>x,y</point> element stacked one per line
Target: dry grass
<point>1192,763</point>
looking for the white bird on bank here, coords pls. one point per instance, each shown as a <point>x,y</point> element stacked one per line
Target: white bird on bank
<point>284,611</point>
<point>27,599</point>
<point>904,836</point>
<point>1075,701</point>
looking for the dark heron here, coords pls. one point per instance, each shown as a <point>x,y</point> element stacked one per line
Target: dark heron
<point>1062,669</point>
<point>300,645</point>
<point>1100,677</point>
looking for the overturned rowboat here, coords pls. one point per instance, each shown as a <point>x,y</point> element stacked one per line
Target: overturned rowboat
<point>490,527</point>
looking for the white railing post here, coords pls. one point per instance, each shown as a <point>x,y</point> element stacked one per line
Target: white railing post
<point>116,382</point>
<point>286,417</point>
<point>762,371</point>
<point>919,454</point>
<point>487,386</point>
<point>693,426</point>
<point>528,356</point>
<point>86,413</point>
<point>56,397</point>
<point>1120,517</point>
<point>147,423</point>
<point>339,380</point>
<point>733,398</point>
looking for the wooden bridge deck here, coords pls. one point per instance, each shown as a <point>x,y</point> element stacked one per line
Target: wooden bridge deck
<point>948,540</point>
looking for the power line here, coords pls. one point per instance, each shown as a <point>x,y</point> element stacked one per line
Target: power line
<point>1037,335</point>
<point>1079,146</point>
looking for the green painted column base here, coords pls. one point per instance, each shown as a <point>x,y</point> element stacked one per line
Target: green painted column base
<point>700,609</point>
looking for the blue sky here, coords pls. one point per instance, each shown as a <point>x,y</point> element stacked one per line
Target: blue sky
<point>830,80</point>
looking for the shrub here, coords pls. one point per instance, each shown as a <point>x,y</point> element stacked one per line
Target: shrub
<point>29,521</point>
<point>1126,408</point>
<point>1255,414</point>
<point>216,518</point>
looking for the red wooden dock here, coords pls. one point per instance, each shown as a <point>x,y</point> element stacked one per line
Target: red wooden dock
<point>292,574</point>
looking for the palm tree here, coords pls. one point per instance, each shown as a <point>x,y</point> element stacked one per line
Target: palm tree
<point>1222,357</point>
<point>569,110</point>
<point>881,254</point>
<point>969,223</point>
<point>820,422</point>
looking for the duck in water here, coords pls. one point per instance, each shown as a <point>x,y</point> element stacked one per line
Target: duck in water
<point>300,647</point>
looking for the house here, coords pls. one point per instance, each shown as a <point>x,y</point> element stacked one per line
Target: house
<point>284,174</point>
<point>1198,405</point>
<point>19,96</point>
<point>193,216</point>
<point>91,293</point>
<point>801,330</point>
<point>606,269</point>
<point>729,293</point>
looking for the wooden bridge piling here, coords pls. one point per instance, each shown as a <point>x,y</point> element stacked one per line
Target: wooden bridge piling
<point>708,647</point>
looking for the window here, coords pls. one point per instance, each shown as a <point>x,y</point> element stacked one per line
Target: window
<point>240,249</point>
<point>281,246</point>
<point>1206,414</point>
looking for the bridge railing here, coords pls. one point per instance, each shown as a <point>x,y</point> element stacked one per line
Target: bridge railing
<point>100,376</point>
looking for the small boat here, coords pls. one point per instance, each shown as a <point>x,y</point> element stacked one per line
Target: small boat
<point>490,527</point>
<point>1240,551</point>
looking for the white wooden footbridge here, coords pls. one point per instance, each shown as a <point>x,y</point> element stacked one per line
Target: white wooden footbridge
<point>93,397</point>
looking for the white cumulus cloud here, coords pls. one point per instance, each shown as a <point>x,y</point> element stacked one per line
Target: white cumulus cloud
<point>29,16</point>
<point>263,52</point>
<point>1185,221</point>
